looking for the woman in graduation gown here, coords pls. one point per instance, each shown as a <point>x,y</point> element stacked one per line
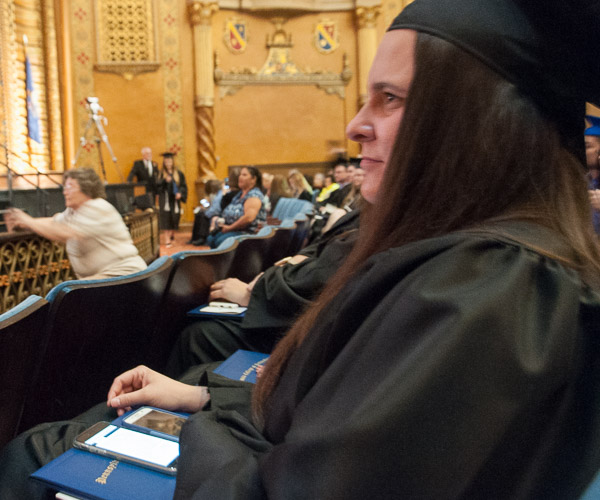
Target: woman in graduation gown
<point>456,352</point>
<point>172,193</point>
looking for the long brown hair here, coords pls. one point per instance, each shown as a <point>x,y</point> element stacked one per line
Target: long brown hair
<point>470,149</point>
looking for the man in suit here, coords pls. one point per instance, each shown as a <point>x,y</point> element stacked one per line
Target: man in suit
<point>146,171</point>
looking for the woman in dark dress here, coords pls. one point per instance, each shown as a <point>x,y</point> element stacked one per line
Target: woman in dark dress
<point>455,354</point>
<point>172,192</point>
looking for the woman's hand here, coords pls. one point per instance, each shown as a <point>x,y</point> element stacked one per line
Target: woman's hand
<point>230,289</point>
<point>16,218</point>
<point>225,228</point>
<point>143,386</point>
<point>178,196</point>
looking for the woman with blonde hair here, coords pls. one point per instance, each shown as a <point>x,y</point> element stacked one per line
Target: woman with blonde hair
<point>300,187</point>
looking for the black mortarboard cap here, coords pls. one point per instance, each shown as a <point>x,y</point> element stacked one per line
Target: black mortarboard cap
<point>550,49</point>
<point>594,128</point>
<point>168,154</point>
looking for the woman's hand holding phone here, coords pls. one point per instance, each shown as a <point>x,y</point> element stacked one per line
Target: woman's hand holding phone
<point>143,386</point>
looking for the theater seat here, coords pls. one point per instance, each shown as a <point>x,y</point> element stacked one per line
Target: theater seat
<point>250,255</point>
<point>96,329</point>
<point>290,207</point>
<point>189,285</point>
<point>22,345</point>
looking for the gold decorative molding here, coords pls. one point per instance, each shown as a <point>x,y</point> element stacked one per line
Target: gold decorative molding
<point>367,16</point>
<point>201,12</point>
<point>296,6</point>
<point>169,33</point>
<point>205,142</point>
<point>280,69</point>
<point>126,37</point>
<point>127,70</point>
<point>55,138</point>
<point>82,52</point>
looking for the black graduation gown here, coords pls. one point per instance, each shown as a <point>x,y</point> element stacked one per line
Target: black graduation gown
<point>465,366</point>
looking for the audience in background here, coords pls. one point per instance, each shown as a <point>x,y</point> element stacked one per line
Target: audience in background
<point>300,187</point>
<point>172,192</point>
<point>318,184</point>
<point>245,211</point>
<point>350,202</point>
<point>205,212</point>
<point>279,189</point>
<point>97,240</point>
<point>328,187</point>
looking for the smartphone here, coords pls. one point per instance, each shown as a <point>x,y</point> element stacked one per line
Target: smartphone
<point>154,421</point>
<point>126,445</point>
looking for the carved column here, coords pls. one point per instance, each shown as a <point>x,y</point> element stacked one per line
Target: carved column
<point>367,46</point>
<point>200,13</point>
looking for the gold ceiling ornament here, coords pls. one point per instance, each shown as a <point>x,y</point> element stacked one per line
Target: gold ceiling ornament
<point>280,69</point>
<point>126,37</point>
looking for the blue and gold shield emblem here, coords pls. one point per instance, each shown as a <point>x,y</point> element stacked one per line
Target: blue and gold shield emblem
<point>236,37</point>
<point>326,37</point>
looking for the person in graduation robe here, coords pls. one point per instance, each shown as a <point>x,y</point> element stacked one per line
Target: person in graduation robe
<point>274,300</point>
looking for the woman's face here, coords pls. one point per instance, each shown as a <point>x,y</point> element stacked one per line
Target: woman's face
<point>74,197</point>
<point>245,180</point>
<point>168,164</point>
<point>376,124</point>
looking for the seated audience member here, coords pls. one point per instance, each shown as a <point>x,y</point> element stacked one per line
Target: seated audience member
<point>328,187</point>
<point>299,185</point>
<point>245,211</point>
<point>267,178</point>
<point>337,197</point>
<point>454,354</point>
<point>274,299</point>
<point>318,184</point>
<point>97,240</point>
<point>592,149</point>
<point>203,215</point>
<point>172,192</point>
<point>350,202</point>
<point>279,189</point>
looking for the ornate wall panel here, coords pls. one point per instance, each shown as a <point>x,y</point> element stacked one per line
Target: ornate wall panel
<point>168,21</point>
<point>126,42</point>
<point>82,55</point>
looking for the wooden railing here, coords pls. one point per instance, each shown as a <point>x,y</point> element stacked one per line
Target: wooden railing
<point>30,264</point>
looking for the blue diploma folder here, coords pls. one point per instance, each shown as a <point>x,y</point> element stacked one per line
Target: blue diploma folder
<point>241,365</point>
<point>88,475</point>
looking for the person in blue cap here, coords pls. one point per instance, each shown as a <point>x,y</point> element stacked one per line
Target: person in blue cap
<point>592,155</point>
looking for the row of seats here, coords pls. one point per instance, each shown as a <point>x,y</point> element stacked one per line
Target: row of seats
<point>59,355</point>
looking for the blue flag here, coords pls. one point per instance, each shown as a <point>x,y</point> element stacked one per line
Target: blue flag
<point>33,118</point>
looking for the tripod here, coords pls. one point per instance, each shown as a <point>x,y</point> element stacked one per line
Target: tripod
<point>95,122</point>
